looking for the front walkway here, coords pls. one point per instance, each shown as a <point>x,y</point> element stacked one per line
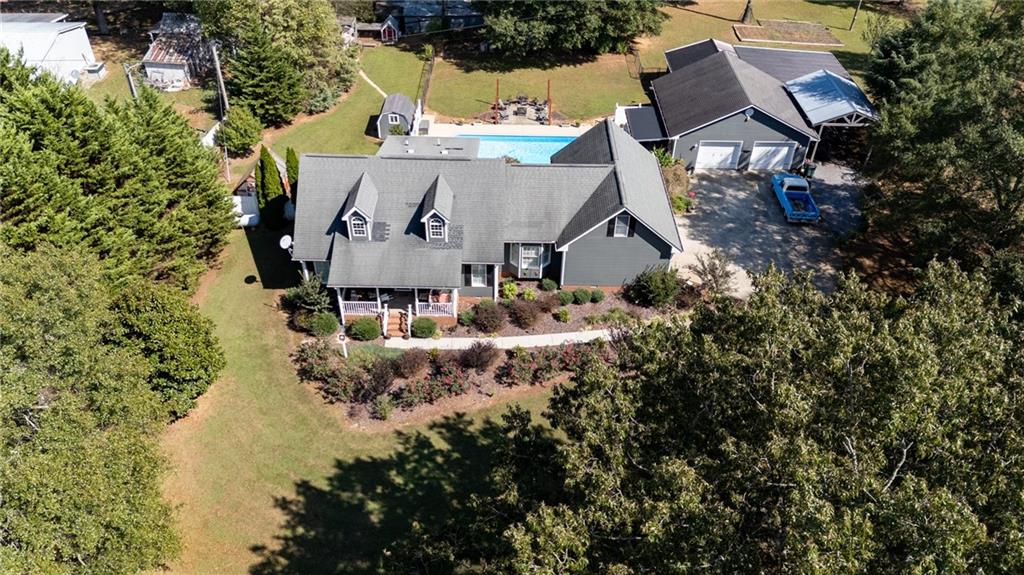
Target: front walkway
<point>541,340</point>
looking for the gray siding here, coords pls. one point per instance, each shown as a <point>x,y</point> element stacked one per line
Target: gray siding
<point>760,128</point>
<point>469,290</point>
<point>598,260</point>
<point>383,127</point>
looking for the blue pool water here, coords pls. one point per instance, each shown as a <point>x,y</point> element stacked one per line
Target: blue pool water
<point>526,149</point>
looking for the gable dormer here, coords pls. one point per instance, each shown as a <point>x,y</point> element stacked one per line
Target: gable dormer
<point>437,211</point>
<point>357,212</point>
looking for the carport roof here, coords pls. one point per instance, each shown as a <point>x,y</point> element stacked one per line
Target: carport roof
<point>825,97</point>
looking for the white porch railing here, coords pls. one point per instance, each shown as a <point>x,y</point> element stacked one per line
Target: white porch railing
<point>360,307</point>
<point>436,309</point>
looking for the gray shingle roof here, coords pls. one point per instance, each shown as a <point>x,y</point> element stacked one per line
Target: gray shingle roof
<point>717,86</point>
<point>683,56</point>
<point>786,65</point>
<point>644,124</point>
<point>429,146</point>
<point>398,104</point>
<point>363,197</point>
<point>439,199</point>
<point>489,202</point>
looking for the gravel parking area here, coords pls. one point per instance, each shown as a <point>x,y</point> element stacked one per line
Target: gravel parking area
<point>738,213</point>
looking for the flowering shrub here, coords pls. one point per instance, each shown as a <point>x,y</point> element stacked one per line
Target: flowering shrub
<point>447,380</point>
<point>518,368</point>
<point>523,366</point>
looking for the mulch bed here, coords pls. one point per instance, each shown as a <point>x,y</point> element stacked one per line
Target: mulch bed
<point>548,324</point>
<point>787,32</point>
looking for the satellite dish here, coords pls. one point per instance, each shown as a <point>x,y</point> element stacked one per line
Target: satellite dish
<point>286,242</point>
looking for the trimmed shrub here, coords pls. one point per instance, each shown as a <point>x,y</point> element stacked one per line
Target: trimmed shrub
<point>447,380</point>
<point>581,296</point>
<point>382,407</point>
<point>524,313</point>
<point>411,363</point>
<point>563,316</point>
<point>509,290</point>
<point>529,294</point>
<point>308,295</point>
<point>596,296</point>
<point>547,303</point>
<point>323,324</point>
<point>656,286</point>
<point>424,327</point>
<point>379,377</point>
<point>466,317</point>
<point>565,297</point>
<point>364,329</point>
<point>548,284</point>
<point>488,316</point>
<point>480,356</point>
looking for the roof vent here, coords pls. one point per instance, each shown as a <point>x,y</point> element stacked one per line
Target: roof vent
<point>444,152</point>
<point>405,141</point>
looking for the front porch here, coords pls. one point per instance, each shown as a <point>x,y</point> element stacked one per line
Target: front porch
<point>427,302</point>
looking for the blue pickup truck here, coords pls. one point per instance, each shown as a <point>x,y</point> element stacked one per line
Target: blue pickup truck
<point>794,195</point>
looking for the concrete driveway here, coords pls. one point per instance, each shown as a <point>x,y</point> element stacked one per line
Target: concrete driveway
<point>738,213</point>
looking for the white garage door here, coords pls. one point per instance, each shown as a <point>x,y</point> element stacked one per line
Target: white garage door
<point>717,156</point>
<point>772,155</point>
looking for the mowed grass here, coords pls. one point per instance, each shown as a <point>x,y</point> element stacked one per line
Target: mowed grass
<point>579,91</point>
<point>393,69</point>
<point>342,130</point>
<point>259,434</point>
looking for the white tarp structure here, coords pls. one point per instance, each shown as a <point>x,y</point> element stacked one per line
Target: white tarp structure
<point>61,48</point>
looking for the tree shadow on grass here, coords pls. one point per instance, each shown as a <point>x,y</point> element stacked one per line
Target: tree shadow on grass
<point>469,61</point>
<point>346,526</point>
<point>274,266</point>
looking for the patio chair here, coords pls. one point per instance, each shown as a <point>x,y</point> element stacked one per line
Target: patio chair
<point>520,111</point>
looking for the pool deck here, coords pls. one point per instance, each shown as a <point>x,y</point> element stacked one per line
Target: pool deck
<point>452,130</point>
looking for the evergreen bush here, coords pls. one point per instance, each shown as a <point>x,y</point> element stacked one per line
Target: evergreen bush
<point>364,329</point>
<point>239,132</point>
<point>656,286</point>
<point>581,296</point>
<point>424,327</point>
<point>323,324</point>
<point>596,296</point>
<point>565,297</point>
<point>548,284</point>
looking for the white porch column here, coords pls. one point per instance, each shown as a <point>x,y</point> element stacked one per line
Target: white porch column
<point>416,300</point>
<point>341,304</point>
<point>376,291</point>
<point>455,302</point>
<point>305,270</point>
<point>497,280</point>
<point>816,142</point>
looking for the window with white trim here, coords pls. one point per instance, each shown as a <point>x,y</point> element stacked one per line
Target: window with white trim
<point>358,226</point>
<point>621,226</point>
<point>478,275</point>
<point>435,228</point>
<point>394,119</point>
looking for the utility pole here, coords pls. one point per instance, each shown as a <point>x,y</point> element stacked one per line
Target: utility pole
<point>131,82</point>
<point>220,81</point>
<point>856,12</point>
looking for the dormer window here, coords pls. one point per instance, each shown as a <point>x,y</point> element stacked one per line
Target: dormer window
<point>358,225</point>
<point>435,229</point>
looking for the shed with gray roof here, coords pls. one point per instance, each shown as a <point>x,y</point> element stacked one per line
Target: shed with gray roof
<point>596,216</point>
<point>399,112</point>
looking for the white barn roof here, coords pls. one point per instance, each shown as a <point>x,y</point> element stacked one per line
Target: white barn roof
<point>61,48</point>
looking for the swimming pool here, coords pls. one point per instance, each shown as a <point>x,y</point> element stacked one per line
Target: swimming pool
<point>526,149</point>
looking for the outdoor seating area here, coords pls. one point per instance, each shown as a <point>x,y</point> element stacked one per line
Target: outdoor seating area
<point>522,110</point>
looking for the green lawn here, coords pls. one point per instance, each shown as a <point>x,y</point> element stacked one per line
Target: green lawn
<point>340,131</point>
<point>194,104</point>
<point>263,450</point>
<point>579,91</point>
<point>393,69</point>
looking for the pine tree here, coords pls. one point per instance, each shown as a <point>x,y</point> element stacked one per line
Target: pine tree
<point>271,196</point>
<point>239,132</point>
<point>266,79</point>
<point>292,163</point>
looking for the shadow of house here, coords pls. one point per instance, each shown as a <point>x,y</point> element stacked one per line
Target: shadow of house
<point>346,524</point>
<point>273,264</point>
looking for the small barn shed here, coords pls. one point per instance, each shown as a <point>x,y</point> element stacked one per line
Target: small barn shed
<point>178,55</point>
<point>397,110</point>
<point>386,32</point>
<point>60,48</point>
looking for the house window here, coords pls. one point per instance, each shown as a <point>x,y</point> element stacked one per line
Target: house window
<point>530,263</point>
<point>478,275</point>
<point>358,227</point>
<point>393,119</point>
<point>436,228</point>
<point>621,226</point>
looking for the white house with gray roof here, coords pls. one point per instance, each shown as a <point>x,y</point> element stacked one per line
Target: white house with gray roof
<point>416,229</point>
